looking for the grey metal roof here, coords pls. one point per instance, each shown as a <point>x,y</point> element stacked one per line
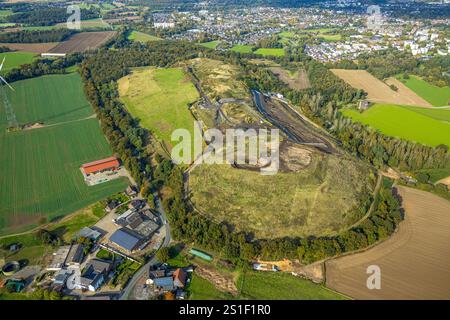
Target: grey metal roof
<point>125,239</point>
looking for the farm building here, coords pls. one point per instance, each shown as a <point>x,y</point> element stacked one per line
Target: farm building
<point>126,240</point>
<point>108,164</point>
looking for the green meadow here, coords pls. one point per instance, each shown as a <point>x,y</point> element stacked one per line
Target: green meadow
<point>16,59</point>
<point>142,37</point>
<point>282,286</point>
<point>427,126</point>
<point>210,44</point>
<point>242,48</point>
<point>40,167</point>
<point>276,52</point>
<point>159,98</point>
<point>437,96</point>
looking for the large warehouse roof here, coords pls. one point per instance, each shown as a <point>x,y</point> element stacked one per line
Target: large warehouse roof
<point>100,165</point>
<point>125,239</point>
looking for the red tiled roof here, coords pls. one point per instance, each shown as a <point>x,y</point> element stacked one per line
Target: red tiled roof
<point>100,165</point>
<point>180,275</point>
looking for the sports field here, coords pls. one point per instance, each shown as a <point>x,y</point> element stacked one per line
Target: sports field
<point>16,59</point>
<point>142,37</point>
<point>40,167</point>
<point>437,96</point>
<point>276,52</point>
<point>426,126</point>
<point>160,99</point>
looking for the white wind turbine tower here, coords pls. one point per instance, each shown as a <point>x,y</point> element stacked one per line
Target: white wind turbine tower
<point>10,115</point>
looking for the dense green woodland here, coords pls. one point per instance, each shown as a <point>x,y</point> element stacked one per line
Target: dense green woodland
<point>49,16</point>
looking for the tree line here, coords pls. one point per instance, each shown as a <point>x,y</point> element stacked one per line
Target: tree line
<point>36,36</point>
<point>49,16</point>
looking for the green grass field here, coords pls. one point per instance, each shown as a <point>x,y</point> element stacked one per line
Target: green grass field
<point>242,48</point>
<point>160,99</point>
<point>437,96</point>
<point>16,59</point>
<point>142,37</point>
<point>276,52</point>
<point>41,166</point>
<point>50,99</point>
<point>283,286</point>
<point>423,126</point>
<point>210,44</point>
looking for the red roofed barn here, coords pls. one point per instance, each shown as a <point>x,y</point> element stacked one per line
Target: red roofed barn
<point>108,164</point>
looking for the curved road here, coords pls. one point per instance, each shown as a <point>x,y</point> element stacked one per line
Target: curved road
<point>141,272</point>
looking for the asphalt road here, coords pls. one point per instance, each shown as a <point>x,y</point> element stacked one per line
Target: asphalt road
<point>142,271</point>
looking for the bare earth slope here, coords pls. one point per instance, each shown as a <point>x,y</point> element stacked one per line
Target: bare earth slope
<point>414,262</point>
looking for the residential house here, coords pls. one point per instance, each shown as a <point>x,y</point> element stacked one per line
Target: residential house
<point>179,278</point>
<point>94,275</point>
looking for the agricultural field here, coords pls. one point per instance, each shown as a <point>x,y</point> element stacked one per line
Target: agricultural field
<point>159,98</point>
<point>44,180</point>
<point>30,47</point>
<point>83,41</point>
<point>276,52</point>
<point>42,100</point>
<point>424,126</point>
<point>414,262</point>
<point>378,91</point>
<point>436,96</point>
<point>295,80</point>
<point>16,59</point>
<point>142,37</point>
<point>315,197</point>
<point>242,48</point>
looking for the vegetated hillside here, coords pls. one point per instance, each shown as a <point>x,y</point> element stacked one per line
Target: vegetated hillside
<point>321,199</point>
<point>312,195</point>
<point>159,98</point>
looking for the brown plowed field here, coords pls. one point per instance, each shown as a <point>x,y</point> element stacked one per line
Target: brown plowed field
<point>30,47</point>
<point>83,41</point>
<point>378,91</point>
<point>414,262</point>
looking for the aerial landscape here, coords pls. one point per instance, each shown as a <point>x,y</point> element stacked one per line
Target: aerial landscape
<point>224,150</point>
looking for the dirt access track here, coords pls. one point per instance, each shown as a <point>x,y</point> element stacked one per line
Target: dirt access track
<point>414,262</point>
<point>297,129</point>
<point>378,91</point>
<point>83,41</point>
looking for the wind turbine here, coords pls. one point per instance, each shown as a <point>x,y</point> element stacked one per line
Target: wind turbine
<point>3,79</point>
<point>10,115</point>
